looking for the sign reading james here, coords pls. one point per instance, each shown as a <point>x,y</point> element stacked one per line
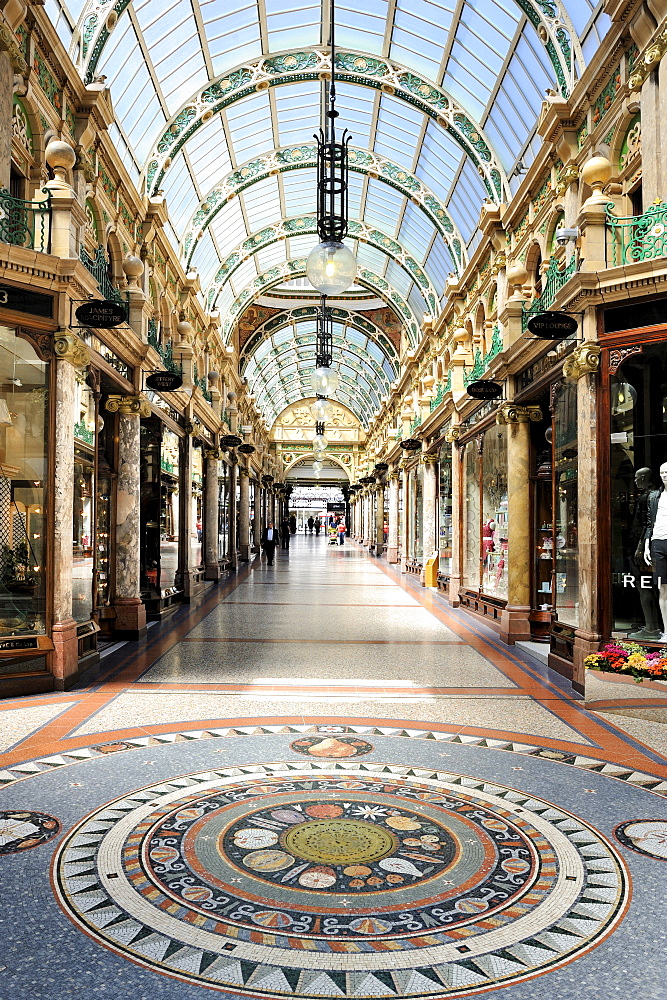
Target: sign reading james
<point>24,301</point>
<point>101,314</point>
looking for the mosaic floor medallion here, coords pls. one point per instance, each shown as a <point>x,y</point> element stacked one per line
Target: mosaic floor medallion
<point>645,836</point>
<point>320,880</point>
<point>21,830</point>
<point>332,746</point>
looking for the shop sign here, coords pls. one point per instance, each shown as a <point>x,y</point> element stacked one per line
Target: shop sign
<point>552,325</point>
<point>485,389</point>
<point>21,642</point>
<point>24,301</point>
<point>335,508</point>
<point>102,314</point>
<point>164,381</point>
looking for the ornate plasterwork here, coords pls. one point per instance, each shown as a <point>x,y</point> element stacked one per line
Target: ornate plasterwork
<point>69,348</point>
<point>128,406</point>
<point>583,360</point>
<point>305,156</point>
<point>511,413</point>
<point>297,269</point>
<point>304,225</point>
<point>302,313</point>
<point>311,64</point>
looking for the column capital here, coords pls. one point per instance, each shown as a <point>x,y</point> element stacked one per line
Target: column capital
<point>8,45</point>
<point>128,406</point>
<point>243,471</point>
<point>511,413</point>
<point>213,453</point>
<point>394,476</point>
<point>69,348</point>
<point>583,360</point>
<point>452,435</point>
<point>430,459</point>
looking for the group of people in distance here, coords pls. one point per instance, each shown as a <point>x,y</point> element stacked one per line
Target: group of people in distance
<point>272,535</point>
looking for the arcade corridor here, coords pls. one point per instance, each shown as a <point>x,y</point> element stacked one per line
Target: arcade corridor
<point>323,781</point>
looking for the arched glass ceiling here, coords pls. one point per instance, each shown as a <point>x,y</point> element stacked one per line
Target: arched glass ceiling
<point>278,373</point>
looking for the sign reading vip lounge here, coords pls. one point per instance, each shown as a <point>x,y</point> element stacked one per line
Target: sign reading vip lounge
<point>25,301</point>
<point>552,325</point>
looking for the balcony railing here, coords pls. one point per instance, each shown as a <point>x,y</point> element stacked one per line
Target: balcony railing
<point>636,237</point>
<point>99,268</point>
<point>554,279</point>
<point>166,352</point>
<point>25,223</point>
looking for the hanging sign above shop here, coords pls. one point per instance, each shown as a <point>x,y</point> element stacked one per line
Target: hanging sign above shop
<point>552,325</point>
<point>164,381</point>
<point>485,389</point>
<point>101,314</point>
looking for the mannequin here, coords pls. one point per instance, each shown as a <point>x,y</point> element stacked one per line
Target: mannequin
<point>651,629</point>
<point>655,547</point>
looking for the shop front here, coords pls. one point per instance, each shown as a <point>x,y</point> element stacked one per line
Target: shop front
<point>161,492</point>
<point>444,514</point>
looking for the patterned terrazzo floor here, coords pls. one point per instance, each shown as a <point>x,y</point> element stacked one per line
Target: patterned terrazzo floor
<point>321,781</point>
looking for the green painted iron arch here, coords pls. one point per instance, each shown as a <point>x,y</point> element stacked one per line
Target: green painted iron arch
<point>305,157</point>
<point>312,64</point>
<point>307,225</point>
<point>290,269</point>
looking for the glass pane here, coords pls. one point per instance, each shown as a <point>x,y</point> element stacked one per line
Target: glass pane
<point>169,509</point>
<point>566,513</point>
<point>471,538</point>
<point>24,404</point>
<point>445,492</point>
<point>223,510</point>
<point>84,505</point>
<point>638,399</point>
<point>494,512</point>
<point>418,521</point>
<point>197,517</point>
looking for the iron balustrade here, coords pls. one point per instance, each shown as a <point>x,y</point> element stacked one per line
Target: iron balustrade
<point>26,223</point>
<point>166,352</point>
<point>633,238</point>
<point>99,268</point>
<point>554,279</point>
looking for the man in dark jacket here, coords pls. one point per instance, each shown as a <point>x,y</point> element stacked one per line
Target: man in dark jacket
<point>269,539</point>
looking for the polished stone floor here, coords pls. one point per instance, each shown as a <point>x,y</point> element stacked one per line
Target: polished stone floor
<point>321,781</point>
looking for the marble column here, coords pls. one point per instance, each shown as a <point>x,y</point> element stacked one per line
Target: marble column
<point>392,540</point>
<point>429,516</point>
<point>244,515</point>
<point>189,575</point>
<point>70,355</point>
<point>211,560</point>
<point>6,91</point>
<point>582,365</point>
<point>452,436</point>
<point>257,518</point>
<point>379,519</point>
<point>515,618</point>
<point>130,611</point>
<point>231,544</point>
<point>368,510</point>
<point>405,518</point>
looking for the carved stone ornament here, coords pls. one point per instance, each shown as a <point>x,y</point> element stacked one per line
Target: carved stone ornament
<point>510,413</point>
<point>68,348</point>
<point>619,354</point>
<point>568,175</point>
<point>8,45</point>
<point>128,406</point>
<point>430,459</point>
<point>452,435</point>
<point>213,453</point>
<point>583,360</point>
<point>394,476</point>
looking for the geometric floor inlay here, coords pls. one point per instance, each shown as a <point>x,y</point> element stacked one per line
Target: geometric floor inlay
<point>319,880</point>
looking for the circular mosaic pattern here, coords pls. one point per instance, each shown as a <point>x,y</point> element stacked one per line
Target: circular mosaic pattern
<point>21,830</point>
<point>333,747</point>
<point>645,836</point>
<point>328,882</point>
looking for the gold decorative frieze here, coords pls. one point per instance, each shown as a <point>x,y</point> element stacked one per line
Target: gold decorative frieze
<point>583,360</point>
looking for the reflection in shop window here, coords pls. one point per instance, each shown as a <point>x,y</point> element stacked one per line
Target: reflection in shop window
<point>83,540</point>
<point>445,521</point>
<point>23,472</point>
<point>566,472</point>
<point>169,509</point>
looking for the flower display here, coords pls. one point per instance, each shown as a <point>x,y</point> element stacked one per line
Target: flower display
<point>630,658</point>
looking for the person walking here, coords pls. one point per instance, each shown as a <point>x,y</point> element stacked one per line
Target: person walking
<point>284,534</point>
<point>318,525</point>
<point>311,523</point>
<point>269,539</point>
<point>341,532</point>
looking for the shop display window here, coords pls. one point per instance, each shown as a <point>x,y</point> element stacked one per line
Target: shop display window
<point>169,509</point>
<point>197,501</point>
<point>24,407</point>
<point>566,484</point>
<point>485,545</point>
<point>160,509</point>
<point>83,540</point>
<point>418,516</point>
<point>638,448</point>
<point>445,505</point>
<point>223,510</point>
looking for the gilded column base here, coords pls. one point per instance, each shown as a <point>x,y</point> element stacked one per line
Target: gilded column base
<point>65,655</point>
<point>130,618</point>
<point>515,623</point>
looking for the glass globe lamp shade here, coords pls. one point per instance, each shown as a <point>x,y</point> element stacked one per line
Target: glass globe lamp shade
<point>317,473</point>
<point>321,409</point>
<point>318,455</point>
<point>324,381</point>
<point>319,442</point>
<point>331,268</point>
<point>317,466</point>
